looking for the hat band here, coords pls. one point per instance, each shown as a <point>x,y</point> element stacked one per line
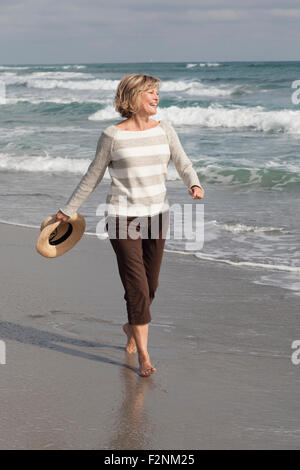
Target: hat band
<point>61,239</point>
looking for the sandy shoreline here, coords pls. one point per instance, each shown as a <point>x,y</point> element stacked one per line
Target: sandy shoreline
<point>221,345</point>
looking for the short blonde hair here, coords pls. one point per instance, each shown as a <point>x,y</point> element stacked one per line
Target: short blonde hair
<point>128,91</point>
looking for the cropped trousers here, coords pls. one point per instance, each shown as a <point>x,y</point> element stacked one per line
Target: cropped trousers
<point>138,243</point>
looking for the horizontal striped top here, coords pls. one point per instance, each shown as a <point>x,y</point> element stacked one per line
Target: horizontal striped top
<point>137,162</point>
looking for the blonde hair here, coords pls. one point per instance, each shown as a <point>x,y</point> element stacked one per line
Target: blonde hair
<point>128,91</point>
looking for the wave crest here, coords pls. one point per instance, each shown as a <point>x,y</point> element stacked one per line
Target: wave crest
<point>214,116</point>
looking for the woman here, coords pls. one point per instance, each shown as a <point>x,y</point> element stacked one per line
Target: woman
<point>136,152</point>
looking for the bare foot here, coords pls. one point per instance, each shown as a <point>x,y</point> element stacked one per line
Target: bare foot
<point>146,368</point>
<point>131,344</point>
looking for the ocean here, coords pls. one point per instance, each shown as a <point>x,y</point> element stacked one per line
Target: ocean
<point>236,121</point>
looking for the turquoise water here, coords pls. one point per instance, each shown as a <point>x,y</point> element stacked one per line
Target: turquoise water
<point>236,121</point>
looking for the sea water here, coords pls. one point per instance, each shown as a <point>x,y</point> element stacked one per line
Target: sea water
<point>236,121</point>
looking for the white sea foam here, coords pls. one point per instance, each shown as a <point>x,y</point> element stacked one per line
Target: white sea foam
<point>74,66</point>
<point>208,173</point>
<point>251,264</point>
<point>45,99</point>
<point>284,281</point>
<point>18,224</point>
<point>7,75</point>
<point>45,164</point>
<point>103,236</point>
<point>106,114</point>
<point>172,173</point>
<point>16,132</point>
<point>10,133</point>
<point>6,67</point>
<point>196,88</point>
<point>58,79</point>
<point>235,227</point>
<point>60,75</point>
<point>209,64</point>
<point>295,270</point>
<point>283,165</point>
<point>214,116</point>
<point>47,80</point>
<point>56,164</point>
<point>203,64</point>
<point>201,90</point>
<point>96,84</point>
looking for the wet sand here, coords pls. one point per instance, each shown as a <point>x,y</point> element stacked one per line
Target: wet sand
<point>221,346</point>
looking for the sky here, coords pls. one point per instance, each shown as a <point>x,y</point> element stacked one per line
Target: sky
<point>97,31</point>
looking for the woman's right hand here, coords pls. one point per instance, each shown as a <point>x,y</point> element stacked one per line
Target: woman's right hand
<point>61,216</point>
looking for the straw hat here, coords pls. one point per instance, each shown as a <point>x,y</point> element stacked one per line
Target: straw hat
<point>58,237</point>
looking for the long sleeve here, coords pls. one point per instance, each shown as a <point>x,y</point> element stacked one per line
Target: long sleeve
<point>181,161</point>
<point>92,177</point>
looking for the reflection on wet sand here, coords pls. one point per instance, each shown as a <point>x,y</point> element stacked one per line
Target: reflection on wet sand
<point>132,426</point>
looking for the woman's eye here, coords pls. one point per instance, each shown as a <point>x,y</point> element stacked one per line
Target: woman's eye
<point>152,92</point>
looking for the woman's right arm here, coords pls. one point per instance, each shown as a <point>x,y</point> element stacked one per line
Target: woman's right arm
<point>91,179</point>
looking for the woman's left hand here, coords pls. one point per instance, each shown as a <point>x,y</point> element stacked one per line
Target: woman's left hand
<point>196,192</point>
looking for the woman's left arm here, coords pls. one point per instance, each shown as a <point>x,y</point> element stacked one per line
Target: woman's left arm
<point>184,165</point>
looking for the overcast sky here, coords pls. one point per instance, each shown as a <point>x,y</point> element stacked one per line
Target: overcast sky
<point>82,31</point>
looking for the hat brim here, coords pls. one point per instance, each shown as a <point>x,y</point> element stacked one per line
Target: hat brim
<point>58,237</point>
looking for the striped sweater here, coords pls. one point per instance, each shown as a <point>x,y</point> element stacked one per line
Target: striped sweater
<point>137,162</point>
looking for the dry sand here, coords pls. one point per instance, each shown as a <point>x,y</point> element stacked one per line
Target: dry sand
<point>221,345</point>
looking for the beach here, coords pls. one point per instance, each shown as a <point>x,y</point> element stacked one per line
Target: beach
<point>235,120</point>
<point>221,345</point>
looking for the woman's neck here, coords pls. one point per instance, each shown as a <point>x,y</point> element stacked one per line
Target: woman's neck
<point>138,123</point>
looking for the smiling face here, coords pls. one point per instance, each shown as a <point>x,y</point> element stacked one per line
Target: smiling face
<point>149,100</point>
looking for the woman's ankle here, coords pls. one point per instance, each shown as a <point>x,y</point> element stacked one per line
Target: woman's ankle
<point>143,356</point>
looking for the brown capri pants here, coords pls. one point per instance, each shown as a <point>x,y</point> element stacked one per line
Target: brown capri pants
<point>139,259</point>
